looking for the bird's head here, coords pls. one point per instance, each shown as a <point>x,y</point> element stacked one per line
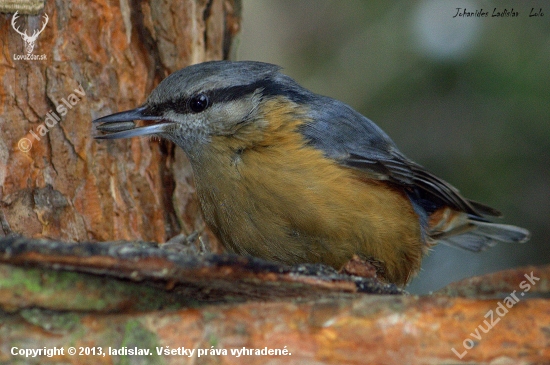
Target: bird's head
<point>199,102</point>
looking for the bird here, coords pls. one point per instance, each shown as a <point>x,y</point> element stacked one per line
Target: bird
<point>294,177</point>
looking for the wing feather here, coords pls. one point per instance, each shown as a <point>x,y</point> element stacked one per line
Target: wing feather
<point>355,141</point>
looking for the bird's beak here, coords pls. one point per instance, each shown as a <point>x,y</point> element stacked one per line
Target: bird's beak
<point>121,125</point>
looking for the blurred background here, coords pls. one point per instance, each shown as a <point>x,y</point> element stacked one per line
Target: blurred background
<point>468,98</point>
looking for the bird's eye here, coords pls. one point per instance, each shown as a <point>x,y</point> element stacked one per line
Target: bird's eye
<point>199,103</point>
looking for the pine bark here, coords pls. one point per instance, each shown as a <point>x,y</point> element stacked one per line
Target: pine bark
<point>69,186</point>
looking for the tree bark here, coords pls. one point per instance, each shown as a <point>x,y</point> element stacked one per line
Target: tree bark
<point>101,57</point>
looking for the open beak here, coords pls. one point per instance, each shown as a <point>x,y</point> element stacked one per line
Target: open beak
<point>121,125</point>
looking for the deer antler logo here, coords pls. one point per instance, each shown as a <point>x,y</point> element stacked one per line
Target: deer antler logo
<point>29,40</point>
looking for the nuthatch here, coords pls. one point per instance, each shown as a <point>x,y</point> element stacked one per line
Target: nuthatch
<point>294,177</point>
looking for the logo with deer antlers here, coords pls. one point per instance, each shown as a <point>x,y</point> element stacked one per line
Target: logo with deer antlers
<point>29,40</point>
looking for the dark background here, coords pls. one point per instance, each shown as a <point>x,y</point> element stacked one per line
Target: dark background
<point>468,98</point>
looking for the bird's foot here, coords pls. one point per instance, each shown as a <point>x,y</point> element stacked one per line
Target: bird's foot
<point>366,268</point>
<point>191,244</point>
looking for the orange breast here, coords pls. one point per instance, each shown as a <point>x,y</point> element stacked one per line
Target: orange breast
<point>266,193</point>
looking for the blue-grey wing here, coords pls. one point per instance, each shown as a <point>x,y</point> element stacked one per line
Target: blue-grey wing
<point>356,142</point>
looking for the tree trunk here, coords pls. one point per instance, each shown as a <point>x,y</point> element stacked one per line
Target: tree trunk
<point>96,58</point>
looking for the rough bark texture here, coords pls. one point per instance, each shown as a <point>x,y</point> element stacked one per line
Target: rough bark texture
<point>67,185</point>
<point>127,296</point>
<point>192,279</point>
<point>362,330</point>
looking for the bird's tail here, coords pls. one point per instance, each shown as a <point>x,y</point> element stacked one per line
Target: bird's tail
<point>471,233</point>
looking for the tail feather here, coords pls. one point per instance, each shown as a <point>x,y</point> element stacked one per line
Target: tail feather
<point>469,232</point>
<point>483,235</point>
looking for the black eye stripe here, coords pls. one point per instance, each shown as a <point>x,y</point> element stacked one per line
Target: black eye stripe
<point>269,87</point>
